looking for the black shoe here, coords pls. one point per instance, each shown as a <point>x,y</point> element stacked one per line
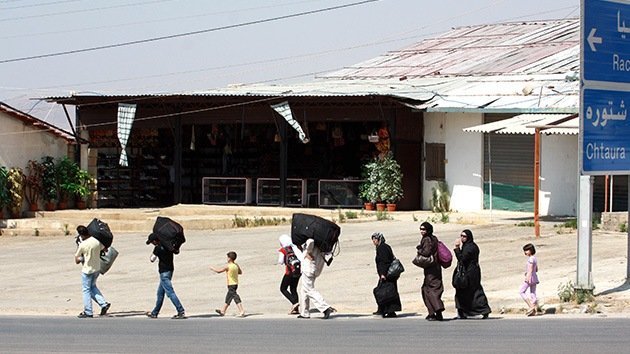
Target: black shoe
<point>151,315</point>
<point>328,311</point>
<point>105,308</point>
<point>438,316</point>
<point>485,315</point>
<point>84,315</point>
<point>430,317</point>
<point>377,313</point>
<point>300,316</point>
<point>179,316</point>
<point>390,315</point>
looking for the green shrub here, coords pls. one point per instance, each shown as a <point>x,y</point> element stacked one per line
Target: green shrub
<point>440,198</point>
<point>382,215</point>
<point>568,293</point>
<point>351,214</point>
<point>623,227</point>
<point>571,224</point>
<point>342,216</point>
<point>526,223</point>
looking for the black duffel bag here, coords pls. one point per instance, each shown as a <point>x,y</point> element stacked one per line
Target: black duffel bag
<point>100,231</point>
<point>325,233</point>
<point>169,233</point>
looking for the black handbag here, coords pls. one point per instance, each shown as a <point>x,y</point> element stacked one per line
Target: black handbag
<point>385,292</point>
<point>395,269</point>
<point>460,281</point>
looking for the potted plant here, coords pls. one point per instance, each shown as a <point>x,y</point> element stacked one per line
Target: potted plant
<point>15,179</point>
<point>390,177</point>
<point>4,190</point>
<point>367,190</point>
<point>33,184</point>
<point>83,188</point>
<point>49,182</point>
<point>67,182</point>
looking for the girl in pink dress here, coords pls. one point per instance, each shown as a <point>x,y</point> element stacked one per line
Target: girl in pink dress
<point>531,280</point>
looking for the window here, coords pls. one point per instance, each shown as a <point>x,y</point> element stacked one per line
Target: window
<point>435,162</point>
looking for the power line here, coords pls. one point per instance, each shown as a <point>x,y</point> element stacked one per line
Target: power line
<point>389,39</point>
<point>185,34</point>
<point>80,11</point>
<point>39,5</point>
<point>168,19</point>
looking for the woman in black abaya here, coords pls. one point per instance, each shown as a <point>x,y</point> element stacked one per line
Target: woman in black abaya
<point>384,258</point>
<point>469,300</point>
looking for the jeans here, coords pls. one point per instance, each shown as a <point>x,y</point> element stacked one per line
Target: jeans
<point>91,292</point>
<point>166,288</point>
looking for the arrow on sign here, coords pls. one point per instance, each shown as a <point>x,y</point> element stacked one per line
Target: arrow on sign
<point>592,40</point>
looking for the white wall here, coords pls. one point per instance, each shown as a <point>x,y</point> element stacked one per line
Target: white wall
<point>464,155</point>
<point>558,175</point>
<point>20,142</point>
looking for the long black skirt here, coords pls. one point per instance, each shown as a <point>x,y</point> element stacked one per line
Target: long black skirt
<point>472,301</point>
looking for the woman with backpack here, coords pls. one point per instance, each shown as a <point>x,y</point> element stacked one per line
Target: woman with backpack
<point>432,286</point>
<point>470,300</point>
<point>291,257</point>
<point>390,303</point>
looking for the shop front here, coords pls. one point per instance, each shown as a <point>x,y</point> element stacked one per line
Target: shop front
<point>237,150</point>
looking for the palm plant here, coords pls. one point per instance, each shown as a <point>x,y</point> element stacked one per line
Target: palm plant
<point>5,199</point>
<point>49,179</point>
<point>67,182</point>
<point>33,186</point>
<point>390,179</point>
<point>15,179</point>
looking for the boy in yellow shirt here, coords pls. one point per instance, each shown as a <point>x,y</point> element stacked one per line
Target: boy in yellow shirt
<point>232,270</point>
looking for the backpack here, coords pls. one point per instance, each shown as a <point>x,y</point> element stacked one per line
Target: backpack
<point>292,262</point>
<point>444,255</point>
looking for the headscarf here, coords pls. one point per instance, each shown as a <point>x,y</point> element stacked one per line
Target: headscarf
<point>469,234</point>
<point>428,227</point>
<point>378,236</point>
<point>285,241</point>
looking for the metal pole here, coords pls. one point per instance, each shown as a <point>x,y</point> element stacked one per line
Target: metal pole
<point>584,247</point>
<point>606,179</point>
<point>536,181</point>
<point>490,173</point>
<point>612,197</point>
<point>284,142</point>
<point>628,243</point>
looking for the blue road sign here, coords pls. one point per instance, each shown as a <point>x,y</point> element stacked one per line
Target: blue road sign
<point>606,36</point>
<point>605,71</point>
<point>606,131</point>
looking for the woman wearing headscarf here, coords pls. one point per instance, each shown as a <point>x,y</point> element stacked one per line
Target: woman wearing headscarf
<point>432,287</point>
<point>384,258</point>
<point>291,277</point>
<point>469,300</point>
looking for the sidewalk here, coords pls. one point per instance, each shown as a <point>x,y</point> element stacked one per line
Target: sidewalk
<point>38,275</point>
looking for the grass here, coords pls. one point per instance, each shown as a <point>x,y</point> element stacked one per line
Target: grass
<point>526,224</point>
<point>247,222</point>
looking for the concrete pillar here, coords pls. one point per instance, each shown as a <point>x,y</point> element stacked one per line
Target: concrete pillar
<point>584,247</point>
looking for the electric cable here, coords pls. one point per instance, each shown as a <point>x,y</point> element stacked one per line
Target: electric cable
<point>186,34</point>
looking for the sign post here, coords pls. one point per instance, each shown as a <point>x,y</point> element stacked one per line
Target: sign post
<point>604,139</point>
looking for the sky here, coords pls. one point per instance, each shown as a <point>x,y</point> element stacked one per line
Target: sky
<point>51,47</point>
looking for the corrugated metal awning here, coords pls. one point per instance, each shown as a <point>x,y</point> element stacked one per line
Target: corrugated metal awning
<point>567,124</point>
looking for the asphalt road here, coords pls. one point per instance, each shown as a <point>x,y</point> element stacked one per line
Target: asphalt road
<point>343,334</point>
